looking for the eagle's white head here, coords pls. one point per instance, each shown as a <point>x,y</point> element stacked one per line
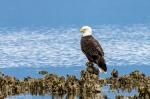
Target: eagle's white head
<point>86,31</point>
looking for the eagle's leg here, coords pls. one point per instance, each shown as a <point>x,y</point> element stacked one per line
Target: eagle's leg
<point>89,63</point>
<point>92,71</point>
<point>91,68</point>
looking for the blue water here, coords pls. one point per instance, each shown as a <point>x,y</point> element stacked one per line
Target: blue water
<point>60,46</point>
<point>26,50</point>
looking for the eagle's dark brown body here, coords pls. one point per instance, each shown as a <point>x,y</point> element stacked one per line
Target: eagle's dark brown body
<point>93,51</point>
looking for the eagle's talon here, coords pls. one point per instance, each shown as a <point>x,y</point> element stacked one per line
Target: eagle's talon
<point>89,63</point>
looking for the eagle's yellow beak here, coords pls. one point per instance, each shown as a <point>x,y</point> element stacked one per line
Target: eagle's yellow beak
<point>82,30</point>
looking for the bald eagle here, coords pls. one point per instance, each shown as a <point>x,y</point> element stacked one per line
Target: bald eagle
<point>92,49</point>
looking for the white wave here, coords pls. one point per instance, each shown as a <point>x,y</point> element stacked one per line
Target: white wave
<point>43,46</point>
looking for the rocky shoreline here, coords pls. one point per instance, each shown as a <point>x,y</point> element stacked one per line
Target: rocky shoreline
<point>89,83</point>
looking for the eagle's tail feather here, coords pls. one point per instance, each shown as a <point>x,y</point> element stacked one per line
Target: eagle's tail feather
<point>101,63</point>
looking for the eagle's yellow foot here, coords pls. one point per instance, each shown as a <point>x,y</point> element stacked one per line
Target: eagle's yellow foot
<point>89,63</point>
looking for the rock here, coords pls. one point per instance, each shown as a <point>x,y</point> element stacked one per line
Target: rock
<point>114,73</point>
<point>126,97</point>
<point>144,93</point>
<point>43,72</point>
<point>89,83</point>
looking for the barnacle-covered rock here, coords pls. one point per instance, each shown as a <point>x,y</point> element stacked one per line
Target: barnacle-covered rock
<point>43,72</point>
<point>114,73</point>
<point>88,83</point>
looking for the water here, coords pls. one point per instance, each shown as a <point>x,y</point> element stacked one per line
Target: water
<point>46,46</point>
<point>30,49</point>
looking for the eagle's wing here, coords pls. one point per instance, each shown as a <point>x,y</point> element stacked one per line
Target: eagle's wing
<point>98,47</point>
<point>94,52</point>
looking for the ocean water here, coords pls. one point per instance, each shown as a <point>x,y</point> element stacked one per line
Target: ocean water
<point>26,50</point>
